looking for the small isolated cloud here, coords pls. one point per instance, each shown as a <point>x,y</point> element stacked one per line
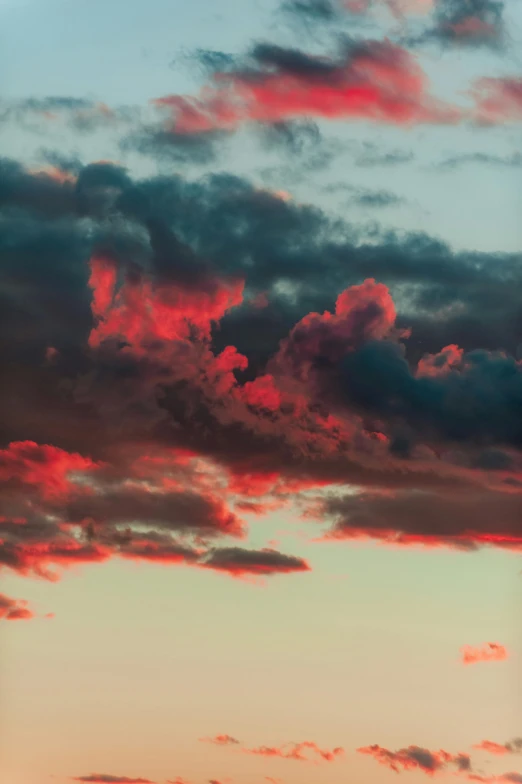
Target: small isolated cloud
<point>238,561</point>
<point>491,747</point>
<point>311,11</point>
<point>509,161</point>
<point>490,651</point>
<point>298,751</point>
<point>221,740</point>
<point>14,609</point>
<point>466,23</point>
<point>498,99</point>
<point>416,758</point>
<point>292,751</point>
<point>366,197</point>
<point>105,778</point>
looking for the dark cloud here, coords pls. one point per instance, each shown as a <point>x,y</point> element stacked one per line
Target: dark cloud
<point>461,520</point>
<point>415,757</point>
<point>210,61</point>
<point>193,349</point>
<point>294,62</point>
<point>511,161</point>
<point>374,155</point>
<point>239,561</point>
<point>62,162</point>
<point>366,197</point>
<point>35,192</point>
<point>166,145</point>
<point>311,10</point>
<point>82,115</point>
<point>298,138</point>
<point>471,23</point>
<point>170,510</point>
<point>481,401</point>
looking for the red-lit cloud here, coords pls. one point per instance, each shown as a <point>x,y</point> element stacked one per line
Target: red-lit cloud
<point>141,313</point>
<point>42,466</point>
<point>14,609</point>
<point>498,100</point>
<point>174,443</point>
<point>104,778</point>
<point>292,751</point>
<point>500,749</point>
<point>489,652</point>
<point>416,758</point>
<point>376,81</point>
<point>397,7</point>
<point>297,751</point>
<point>222,740</point>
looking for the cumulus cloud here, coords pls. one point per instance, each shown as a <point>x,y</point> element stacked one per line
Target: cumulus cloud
<point>148,404</point>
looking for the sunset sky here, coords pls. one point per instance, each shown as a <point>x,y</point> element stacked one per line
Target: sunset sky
<point>261,391</point>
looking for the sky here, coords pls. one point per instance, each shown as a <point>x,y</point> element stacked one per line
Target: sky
<point>261,360</point>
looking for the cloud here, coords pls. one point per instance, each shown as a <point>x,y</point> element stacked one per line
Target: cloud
<point>489,652</point>
<point>14,609</point>
<point>515,778</point>
<point>50,113</point>
<point>238,561</point>
<point>104,778</point>
<point>498,99</point>
<point>422,518</point>
<point>293,751</point>
<point>178,780</point>
<point>366,197</point>
<point>315,11</point>
<point>372,80</point>
<point>475,22</point>
<point>147,404</point>
<point>297,752</point>
<point>334,10</point>
<point>416,758</point>
<point>373,155</point>
<point>458,402</point>
<point>464,23</point>
<point>491,747</point>
<point>162,143</point>
<point>511,161</point>
<point>221,740</point>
